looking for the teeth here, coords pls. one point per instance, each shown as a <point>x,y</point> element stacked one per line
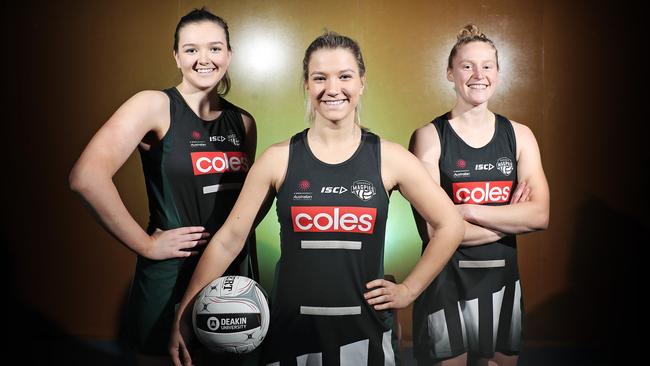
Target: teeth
<point>478,86</point>
<point>333,102</point>
<point>204,71</point>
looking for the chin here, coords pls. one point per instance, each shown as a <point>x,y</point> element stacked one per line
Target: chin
<point>477,101</point>
<point>204,84</point>
<point>335,117</point>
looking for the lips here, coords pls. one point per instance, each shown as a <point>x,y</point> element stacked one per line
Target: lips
<point>478,86</point>
<point>334,102</point>
<point>204,70</point>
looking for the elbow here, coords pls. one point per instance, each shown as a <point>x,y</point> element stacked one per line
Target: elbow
<point>544,218</point>
<point>232,243</point>
<point>81,180</point>
<point>76,181</point>
<point>543,225</point>
<point>541,221</point>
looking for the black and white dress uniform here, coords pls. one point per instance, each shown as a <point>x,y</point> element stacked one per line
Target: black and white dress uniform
<point>474,305</point>
<point>333,221</point>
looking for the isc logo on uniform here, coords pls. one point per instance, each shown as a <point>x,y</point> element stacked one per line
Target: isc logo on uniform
<point>333,219</point>
<point>485,166</point>
<point>211,162</point>
<point>336,190</point>
<point>482,192</point>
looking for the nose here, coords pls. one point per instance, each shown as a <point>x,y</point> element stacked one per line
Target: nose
<point>203,57</point>
<point>332,86</point>
<point>478,73</point>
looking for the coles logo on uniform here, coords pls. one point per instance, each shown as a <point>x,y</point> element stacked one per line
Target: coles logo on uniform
<point>333,219</point>
<point>482,192</point>
<point>212,162</point>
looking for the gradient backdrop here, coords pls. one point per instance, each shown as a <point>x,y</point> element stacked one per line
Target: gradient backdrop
<point>566,73</point>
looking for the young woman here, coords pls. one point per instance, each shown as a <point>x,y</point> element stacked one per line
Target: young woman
<point>332,182</point>
<point>491,168</point>
<point>196,149</point>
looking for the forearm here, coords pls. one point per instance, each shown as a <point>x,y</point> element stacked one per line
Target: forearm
<point>478,235</point>
<point>509,219</point>
<point>441,246</point>
<point>213,263</point>
<point>103,200</point>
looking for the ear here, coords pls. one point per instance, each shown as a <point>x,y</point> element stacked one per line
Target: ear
<point>229,59</point>
<point>178,61</point>
<point>450,75</point>
<point>363,84</point>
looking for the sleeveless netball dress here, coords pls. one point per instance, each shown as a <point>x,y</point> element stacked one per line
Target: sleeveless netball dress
<point>193,177</point>
<point>332,221</point>
<point>474,305</point>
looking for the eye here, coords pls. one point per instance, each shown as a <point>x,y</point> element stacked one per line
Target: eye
<point>466,67</point>
<point>215,49</point>
<point>318,78</point>
<point>190,50</point>
<point>487,67</point>
<point>345,77</point>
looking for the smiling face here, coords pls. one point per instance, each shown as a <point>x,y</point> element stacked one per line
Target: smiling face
<point>334,84</point>
<point>474,73</point>
<point>203,55</point>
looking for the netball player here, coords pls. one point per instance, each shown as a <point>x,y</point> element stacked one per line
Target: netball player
<point>196,149</point>
<point>491,168</point>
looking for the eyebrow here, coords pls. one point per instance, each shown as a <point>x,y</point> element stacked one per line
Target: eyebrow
<point>194,44</point>
<point>474,60</point>
<point>340,72</point>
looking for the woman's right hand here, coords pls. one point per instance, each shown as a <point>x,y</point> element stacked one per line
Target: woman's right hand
<point>177,346</point>
<point>176,243</point>
<point>521,193</point>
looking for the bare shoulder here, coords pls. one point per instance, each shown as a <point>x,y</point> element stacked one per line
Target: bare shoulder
<point>276,155</point>
<point>521,129</point>
<point>153,108</point>
<point>398,165</point>
<point>426,132</point>
<point>273,163</point>
<point>146,110</point>
<point>425,143</point>
<point>391,147</point>
<point>394,154</point>
<point>148,106</point>
<point>151,99</point>
<point>523,133</point>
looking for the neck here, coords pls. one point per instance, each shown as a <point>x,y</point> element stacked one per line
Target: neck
<point>469,114</point>
<point>201,101</point>
<point>334,133</point>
